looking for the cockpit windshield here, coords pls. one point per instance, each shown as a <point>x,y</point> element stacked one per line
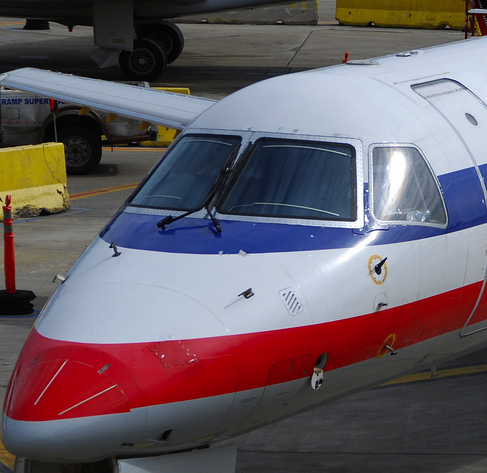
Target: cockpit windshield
<point>187,174</point>
<point>274,177</point>
<point>294,179</point>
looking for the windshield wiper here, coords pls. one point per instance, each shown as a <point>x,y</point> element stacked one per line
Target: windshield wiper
<point>222,177</point>
<point>214,220</point>
<point>170,219</point>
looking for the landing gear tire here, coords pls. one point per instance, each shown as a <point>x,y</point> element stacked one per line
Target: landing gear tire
<point>146,62</point>
<point>82,149</point>
<point>166,34</point>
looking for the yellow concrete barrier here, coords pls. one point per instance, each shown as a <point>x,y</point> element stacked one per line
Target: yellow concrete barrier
<point>402,13</point>
<point>300,13</point>
<point>35,177</point>
<point>165,136</point>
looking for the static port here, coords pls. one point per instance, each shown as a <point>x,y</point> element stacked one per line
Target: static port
<point>321,361</point>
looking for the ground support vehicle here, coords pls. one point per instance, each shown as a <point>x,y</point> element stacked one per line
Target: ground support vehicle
<point>32,119</point>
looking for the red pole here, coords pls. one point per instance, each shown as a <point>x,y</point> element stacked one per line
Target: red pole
<point>12,302</point>
<point>9,249</point>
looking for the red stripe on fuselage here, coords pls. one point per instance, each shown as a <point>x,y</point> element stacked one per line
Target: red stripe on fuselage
<point>157,373</point>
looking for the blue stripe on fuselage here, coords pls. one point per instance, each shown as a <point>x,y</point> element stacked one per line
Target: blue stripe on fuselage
<point>462,191</point>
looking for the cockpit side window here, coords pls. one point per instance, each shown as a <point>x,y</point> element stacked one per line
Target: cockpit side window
<point>404,189</point>
<point>295,179</point>
<point>187,174</point>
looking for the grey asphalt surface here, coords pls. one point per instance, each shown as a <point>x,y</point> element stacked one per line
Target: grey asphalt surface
<point>437,425</point>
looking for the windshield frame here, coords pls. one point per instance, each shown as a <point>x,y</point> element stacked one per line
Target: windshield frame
<point>250,137</point>
<point>355,144</point>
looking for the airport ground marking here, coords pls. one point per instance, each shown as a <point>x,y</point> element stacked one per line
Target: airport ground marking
<point>82,195</point>
<point>7,460</point>
<point>446,373</point>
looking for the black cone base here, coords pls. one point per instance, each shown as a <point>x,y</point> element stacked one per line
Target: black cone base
<point>17,303</point>
<point>36,25</point>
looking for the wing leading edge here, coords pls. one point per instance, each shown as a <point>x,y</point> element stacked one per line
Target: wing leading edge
<point>154,106</point>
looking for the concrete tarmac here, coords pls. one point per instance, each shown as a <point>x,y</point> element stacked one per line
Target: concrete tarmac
<point>432,425</point>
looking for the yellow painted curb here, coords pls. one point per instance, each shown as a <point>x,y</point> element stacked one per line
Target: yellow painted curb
<point>402,13</point>
<point>35,177</point>
<point>165,136</point>
<point>6,457</point>
<point>446,373</point>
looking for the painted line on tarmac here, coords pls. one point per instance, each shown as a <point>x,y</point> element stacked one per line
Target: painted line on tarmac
<point>82,195</point>
<point>7,460</point>
<point>447,373</point>
<point>134,148</point>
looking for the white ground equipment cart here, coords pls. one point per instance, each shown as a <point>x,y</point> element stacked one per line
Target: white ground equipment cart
<point>31,119</point>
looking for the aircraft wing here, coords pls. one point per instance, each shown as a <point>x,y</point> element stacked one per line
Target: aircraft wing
<point>154,106</point>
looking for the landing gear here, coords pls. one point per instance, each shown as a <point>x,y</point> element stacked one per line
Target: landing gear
<point>166,34</point>
<point>146,62</point>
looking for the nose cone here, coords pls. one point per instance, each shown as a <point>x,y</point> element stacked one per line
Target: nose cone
<point>33,440</point>
<point>67,403</point>
<point>80,440</point>
<point>58,389</point>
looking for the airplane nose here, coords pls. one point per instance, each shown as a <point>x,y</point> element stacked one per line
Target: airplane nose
<point>63,388</point>
<point>34,440</point>
<point>67,403</point>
